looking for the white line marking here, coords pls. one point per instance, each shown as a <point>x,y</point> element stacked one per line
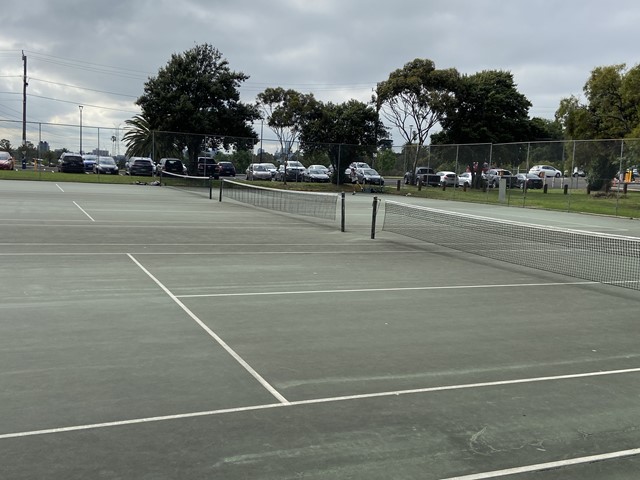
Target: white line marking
<point>315,401</point>
<point>387,289</point>
<point>83,211</point>
<point>549,465</point>
<point>60,188</point>
<point>213,335</point>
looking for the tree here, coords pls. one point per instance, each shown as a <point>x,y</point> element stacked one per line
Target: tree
<point>416,96</point>
<point>611,110</point>
<point>196,96</point>
<point>343,131</point>
<point>284,111</point>
<point>487,109</point>
<point>5,145</point>
<point>137,137</point>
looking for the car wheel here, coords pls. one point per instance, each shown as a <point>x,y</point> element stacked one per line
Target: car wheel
<point>557,175</point>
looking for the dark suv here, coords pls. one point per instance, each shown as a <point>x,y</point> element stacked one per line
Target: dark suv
<point>171,165</point>
<point>142,166</point>
<point>207,167</point>
<point>71,163</point>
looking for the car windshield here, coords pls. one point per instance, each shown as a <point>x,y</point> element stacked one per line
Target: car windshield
<point>106,161</point>
<point>142,162</point>
<point>4,156</point>
<point>315,171</point>
<point>294,164</point>
<point>260,168</point>
<point>269,166</point>
<point>369,171</point>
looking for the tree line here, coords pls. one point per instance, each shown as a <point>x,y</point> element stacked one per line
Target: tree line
<point>194,101</point>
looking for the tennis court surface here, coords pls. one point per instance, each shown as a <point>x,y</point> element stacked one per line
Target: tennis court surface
<point>151,332</point>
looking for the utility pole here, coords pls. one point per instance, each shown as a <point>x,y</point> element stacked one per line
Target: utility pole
<point>24,102</point>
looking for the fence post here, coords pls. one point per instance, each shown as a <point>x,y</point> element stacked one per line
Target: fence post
<point>342,214</point>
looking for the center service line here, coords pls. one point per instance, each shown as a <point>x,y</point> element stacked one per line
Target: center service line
<point>83,211</point>
<point>213,335</point>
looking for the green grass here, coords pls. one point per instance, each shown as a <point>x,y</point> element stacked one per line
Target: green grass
<point>576,200</point>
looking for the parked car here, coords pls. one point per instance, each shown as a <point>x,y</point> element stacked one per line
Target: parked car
<point>89,161</point>
<point>226,169</point>
<point>578,172</point>
<point>105,165</point>
<point>368,176</point>
<point>426,175</point>
<point>272,168</point>
<point>320,167</point>
<point>355,165</point>
<point>316,175</point>
<point>6,161</point>
<point>142,166</point>
<point>465,179</point>
<point>71,163</point>
<point>547,170</point>
<point>170,165</point>
<point>494,175</point>
<point>292,169</point>
<point>207,167</point>
<point>447,179</point>
<point>529,180</point>
<point>258,171</point>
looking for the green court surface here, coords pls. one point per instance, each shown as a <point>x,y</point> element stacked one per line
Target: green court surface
<point>151,332</point>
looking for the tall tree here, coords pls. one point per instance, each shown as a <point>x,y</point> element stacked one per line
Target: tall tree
<point>488,109</point>
<point>415,98</point>
<point>611,110</point>
<point>284,111</point>
<point>196,95</point>
<point>343,131</point>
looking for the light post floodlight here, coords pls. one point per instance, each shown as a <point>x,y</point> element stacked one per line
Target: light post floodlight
<point>80,107</point>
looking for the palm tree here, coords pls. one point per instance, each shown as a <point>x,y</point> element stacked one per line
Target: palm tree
<point>138,137</point>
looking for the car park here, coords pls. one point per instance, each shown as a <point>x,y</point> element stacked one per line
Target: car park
<point>170,165</point>
<point>105,165</point>
<point>6,161</point>
<point>316,175</point>
<point>226,169</point>
<point>447,179</point>
<point>465,179</point>
<point>529,181</point>
<point>71,163</point>
<point>291,170</point>
<point>258,171</point>
<point>494,175</point>
<point>142,166</point>
<point>546,171</point>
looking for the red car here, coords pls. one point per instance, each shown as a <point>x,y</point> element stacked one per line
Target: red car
<point>6,161</point>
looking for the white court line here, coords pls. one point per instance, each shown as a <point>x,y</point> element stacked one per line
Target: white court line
<point>83,211</point>
<point>547,466</point>
<point>60,188</point>
<point>387,289</point>
<point>213,335</point>
<point>395,393</point>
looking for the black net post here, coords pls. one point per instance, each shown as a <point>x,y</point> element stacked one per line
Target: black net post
<point>342,212</point>
<point>221,188</point>
<point>374,213</point>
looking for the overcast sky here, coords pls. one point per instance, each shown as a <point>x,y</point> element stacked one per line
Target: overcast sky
<point>100,53</point>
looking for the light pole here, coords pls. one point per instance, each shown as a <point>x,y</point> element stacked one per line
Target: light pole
<point>80,106</point>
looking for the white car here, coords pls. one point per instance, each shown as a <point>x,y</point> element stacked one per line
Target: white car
<point>548,171</point>
<point>465,179</point>
<point>448,179</point>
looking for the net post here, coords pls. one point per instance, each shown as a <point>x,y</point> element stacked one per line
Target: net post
<point>342,212</point>
<point>374,213</point>
<point>210,188</point>
<point>221,188</point>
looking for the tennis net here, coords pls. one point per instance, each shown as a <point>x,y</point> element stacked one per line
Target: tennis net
<point>199,184</point>
<point>312,204</point>
<point>596,257</point>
